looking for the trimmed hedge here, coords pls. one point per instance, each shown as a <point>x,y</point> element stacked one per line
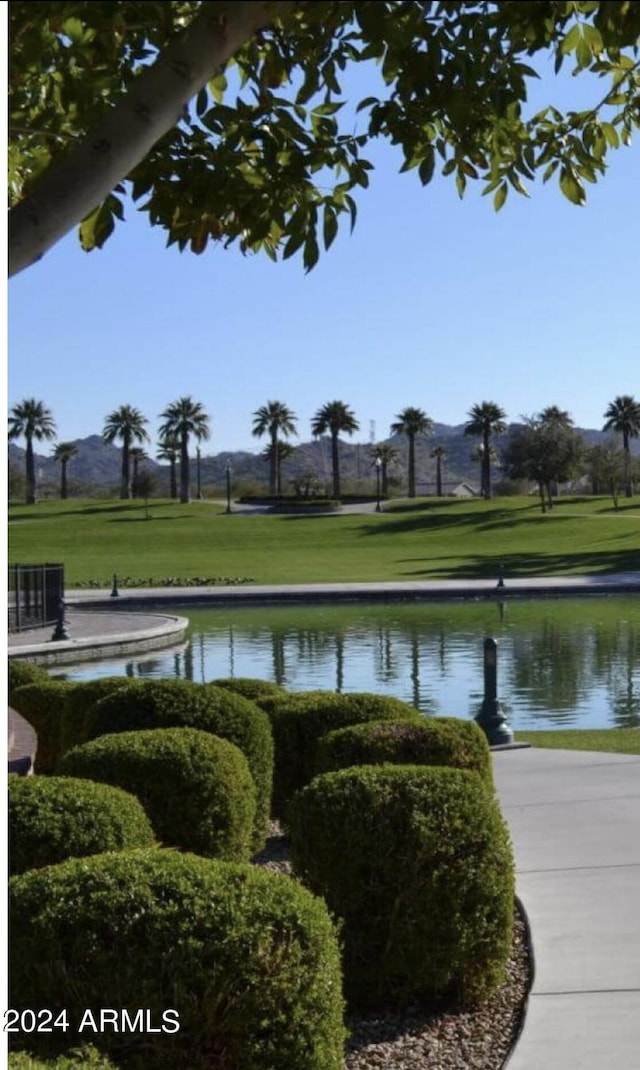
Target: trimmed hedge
<point>446,741</point>
<point>80,700</point>
<point>22,672</point>
<point>247,958</point>
<point>42,705</point>
<point>417,864</point>
<point>196,789</point>
<point>50,819</point>
<point>300,720</point>
<point>182,704</point>
<point>249,687</point>
<point>88,1058</point>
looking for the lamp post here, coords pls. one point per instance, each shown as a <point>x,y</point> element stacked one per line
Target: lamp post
<point>378,470</point>
<point>198,480</point>
<point>492,718</point>
<point>228,486</point>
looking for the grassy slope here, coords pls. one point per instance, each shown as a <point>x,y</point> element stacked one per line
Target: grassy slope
<point>612,741</point>
<point>425,539</point>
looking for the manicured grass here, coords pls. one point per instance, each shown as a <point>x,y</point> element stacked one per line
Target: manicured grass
<point>428,538</point>
<point>608,740</point>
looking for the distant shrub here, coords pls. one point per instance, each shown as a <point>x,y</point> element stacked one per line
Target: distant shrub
<point>24,672</point>
<point>50,819</point>
<point>195,788</point>
<point>301,720</point>
<point>417,864</point>
<point>88,1058</point>
<point>181,704</point>
<point>250,688</point>
<point>42,705</point>
<point>248,960</point>
<point>446,741</point>
<point>79,701</point>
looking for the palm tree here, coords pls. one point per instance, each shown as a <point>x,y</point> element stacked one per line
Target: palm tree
<point>282,451</point>
<point>127,424</point>
<point>31,419</point>
<point>387,455</point>
<point>276,419</point>
<point>334,417</point>
<point>439,452</point>
<point>64,452</point>
<point>412,422</point>
<point>136,454</point>
<point>623,417</point>
<point>183,418</point>
<point>486,419</point>
<point>168,450</point>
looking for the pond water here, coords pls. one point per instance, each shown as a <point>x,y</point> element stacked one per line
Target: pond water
<point>562,663</point>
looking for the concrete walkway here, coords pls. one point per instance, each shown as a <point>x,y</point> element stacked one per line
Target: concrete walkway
<point>575,824</point>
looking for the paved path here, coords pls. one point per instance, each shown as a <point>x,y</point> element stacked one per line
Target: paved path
<point>575,823</point>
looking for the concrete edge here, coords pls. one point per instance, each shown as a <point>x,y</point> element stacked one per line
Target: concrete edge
<point>170,631</point>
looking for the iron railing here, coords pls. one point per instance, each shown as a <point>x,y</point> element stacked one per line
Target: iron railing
<point>35,592</point>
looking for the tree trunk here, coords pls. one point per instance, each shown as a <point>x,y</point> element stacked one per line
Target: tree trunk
<point>30,472</point>
<point>335,464</point>
<point>274,464</point>
<point>173,486</point>
<point>185,489</point>
<point>70,190</point>
<point>628,489</point>
<point>439,476</point>
<point>125,478</point>
<point>486,467</point>
<point>63,481</point>
<point>412,467</point>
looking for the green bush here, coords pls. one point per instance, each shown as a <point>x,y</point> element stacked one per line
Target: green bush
<point>24,672</point>
<point>417,864</point>
<point>446,741</point>
<point>196,789</point>
<point>250,688</point>
<point>181,704</point>
<point>42,705</point>
<point>88,1058</point>
<point>247,959</point>
<point>50,819</point>
<point>79,701</point>
<point>300,721</point>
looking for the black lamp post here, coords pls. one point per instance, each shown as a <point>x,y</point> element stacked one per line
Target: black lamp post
<point>492,718</point>
<point>228,486</point>
<point>378,470</point>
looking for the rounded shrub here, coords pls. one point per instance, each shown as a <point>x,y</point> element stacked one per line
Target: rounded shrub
<point>246,959</point>
<point>42,705</point>
<point>87,1058</point>
<point>300,721</point>
<point>53,818</point>
<point>78,702</point>
<point>250,688</point>
<point>446,741</point>
<point>22,672</point>
<point>417,864</point>
<point>181,704</point>
<point>196,789</point>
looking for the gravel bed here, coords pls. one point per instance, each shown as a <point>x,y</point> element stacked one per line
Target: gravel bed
<point>478,1039</point>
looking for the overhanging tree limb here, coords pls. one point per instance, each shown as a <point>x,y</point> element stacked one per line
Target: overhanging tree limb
<point>152,106</point>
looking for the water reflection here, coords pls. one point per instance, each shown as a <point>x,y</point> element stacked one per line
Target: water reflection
<point>561,663</point>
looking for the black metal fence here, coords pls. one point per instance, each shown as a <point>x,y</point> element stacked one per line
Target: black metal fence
<point>34,595</point>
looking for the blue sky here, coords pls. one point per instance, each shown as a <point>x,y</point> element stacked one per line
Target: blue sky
<point>432,302</point>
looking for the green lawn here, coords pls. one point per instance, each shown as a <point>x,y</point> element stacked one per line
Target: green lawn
<point>423,539</point>
<point>612,741</point>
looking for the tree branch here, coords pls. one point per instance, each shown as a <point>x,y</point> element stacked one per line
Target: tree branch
<point>71,189</point>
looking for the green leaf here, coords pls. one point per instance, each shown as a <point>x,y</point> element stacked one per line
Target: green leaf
<point>500,196</point>
<point>330,226</point>
<point>571,188</point>
<point>427,167</point>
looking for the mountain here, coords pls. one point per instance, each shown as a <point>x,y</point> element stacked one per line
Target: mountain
<point>95,471</point>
